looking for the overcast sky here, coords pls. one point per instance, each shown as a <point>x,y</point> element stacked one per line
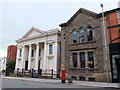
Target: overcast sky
<point>16,18</point>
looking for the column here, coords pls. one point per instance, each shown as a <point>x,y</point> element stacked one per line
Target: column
<point>41,58</point>
<point>78,60</point>
<point>55,53</point>
<point>71,60</point>
<point>37,56</point>
<point>23,57</point>
<point>16,66</point>
<point>45,54</point>
<point>29,57</point>
<point>86,60</point>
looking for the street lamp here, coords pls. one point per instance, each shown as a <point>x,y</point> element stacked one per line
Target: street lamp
<point>105,45</point>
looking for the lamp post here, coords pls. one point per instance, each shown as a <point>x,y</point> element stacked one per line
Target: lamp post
<point>105,45</point>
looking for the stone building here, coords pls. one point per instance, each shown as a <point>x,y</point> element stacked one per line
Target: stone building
<point>39,49</point>
<point>2,63</point>
<point>82,47</point>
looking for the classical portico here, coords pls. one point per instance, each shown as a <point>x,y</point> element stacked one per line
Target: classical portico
<point>39,50</point>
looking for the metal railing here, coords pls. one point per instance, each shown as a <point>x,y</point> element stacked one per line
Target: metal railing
<point>37,73</point>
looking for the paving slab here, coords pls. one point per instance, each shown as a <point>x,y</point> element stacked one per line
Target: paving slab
<point>84,83</point>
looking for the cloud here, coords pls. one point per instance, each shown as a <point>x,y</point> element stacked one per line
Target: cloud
<point>3,52</point>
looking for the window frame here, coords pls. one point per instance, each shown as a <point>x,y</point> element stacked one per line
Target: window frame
<point>75,61</point>
<point>20,52</point>
<point>74,37</point>
<point>51,49</point>
<point>90,62</point>
<point>89,34</point>
<point>32,53</point>
<point>81,36</point>
<point>39,52</point>
<point>81,61</point>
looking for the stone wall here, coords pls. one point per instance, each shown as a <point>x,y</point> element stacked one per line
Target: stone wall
<point>83,20</point>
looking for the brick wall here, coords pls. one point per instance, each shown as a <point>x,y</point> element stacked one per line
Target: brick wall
<point>114,32</point>
<point>11,52</point>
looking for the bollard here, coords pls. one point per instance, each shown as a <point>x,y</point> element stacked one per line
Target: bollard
<point>52,73</point>
<point>22,70</point>
<point>32,73</point>
<point>40,71</point>
<point>17,71</point>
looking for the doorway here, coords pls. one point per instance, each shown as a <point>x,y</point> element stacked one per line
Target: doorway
<point>39,64</point>
<point>117,60</point>
<point>26,65</point>
<point>116,68</point>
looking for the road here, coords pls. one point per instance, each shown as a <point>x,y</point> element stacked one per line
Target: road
<point>7,83</point>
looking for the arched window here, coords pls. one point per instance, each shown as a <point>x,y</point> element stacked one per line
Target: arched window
<point>81,31</point>
<point>89,33</point>
<point>74,37</point>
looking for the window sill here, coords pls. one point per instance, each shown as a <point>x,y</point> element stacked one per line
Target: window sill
<point>32,58</point>
<point>83,42</point>
<point>82,68</point>
<point>19,58</point>
<point>50,56</point>
<point>40,57</point>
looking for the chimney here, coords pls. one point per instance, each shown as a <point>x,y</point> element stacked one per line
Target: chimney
<point>119,4</point>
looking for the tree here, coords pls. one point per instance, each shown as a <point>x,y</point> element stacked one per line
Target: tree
<point>10,65</point>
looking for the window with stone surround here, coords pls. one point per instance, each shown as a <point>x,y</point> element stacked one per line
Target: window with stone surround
<point>39,52</point>
<point>82,34</point>
<point>32,54</point>
<point>74,36</point>
<point>89,33</point>
<point>85,59</point>
<point>20,54</point>
<point>75,60</point>
<point>50,49</point>
<point>90,60</point>
<point>82,59</point>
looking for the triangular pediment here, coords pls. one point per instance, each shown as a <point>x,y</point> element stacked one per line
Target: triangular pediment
<point>32,33</point>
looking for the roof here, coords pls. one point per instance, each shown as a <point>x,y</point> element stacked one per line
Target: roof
<point>39,32</point>
<point>109,11</point>
<point>80,10</point>
<point>88,12</point>
<point>12,45</point>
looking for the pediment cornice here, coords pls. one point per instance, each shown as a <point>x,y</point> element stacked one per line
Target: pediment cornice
<point>40,34</point>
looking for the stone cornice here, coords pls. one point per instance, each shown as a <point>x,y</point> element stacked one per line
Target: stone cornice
<point>47,33</point>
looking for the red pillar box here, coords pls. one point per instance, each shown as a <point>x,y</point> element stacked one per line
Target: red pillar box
<point>63,76</point>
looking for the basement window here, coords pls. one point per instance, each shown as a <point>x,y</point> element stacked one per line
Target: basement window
<point>74,77</point>
<point>91,79</point>
<point>82,78</point>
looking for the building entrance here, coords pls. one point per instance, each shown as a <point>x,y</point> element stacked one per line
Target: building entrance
<point>117,60</point>
<point>26,65</point>
<point>116,68</point>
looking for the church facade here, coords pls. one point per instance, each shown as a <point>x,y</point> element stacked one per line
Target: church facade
<point>39,49</point>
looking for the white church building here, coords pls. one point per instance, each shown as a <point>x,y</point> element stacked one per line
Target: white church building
<point>39,49</point>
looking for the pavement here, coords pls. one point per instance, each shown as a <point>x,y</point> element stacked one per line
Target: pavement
<point>57,81</point>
